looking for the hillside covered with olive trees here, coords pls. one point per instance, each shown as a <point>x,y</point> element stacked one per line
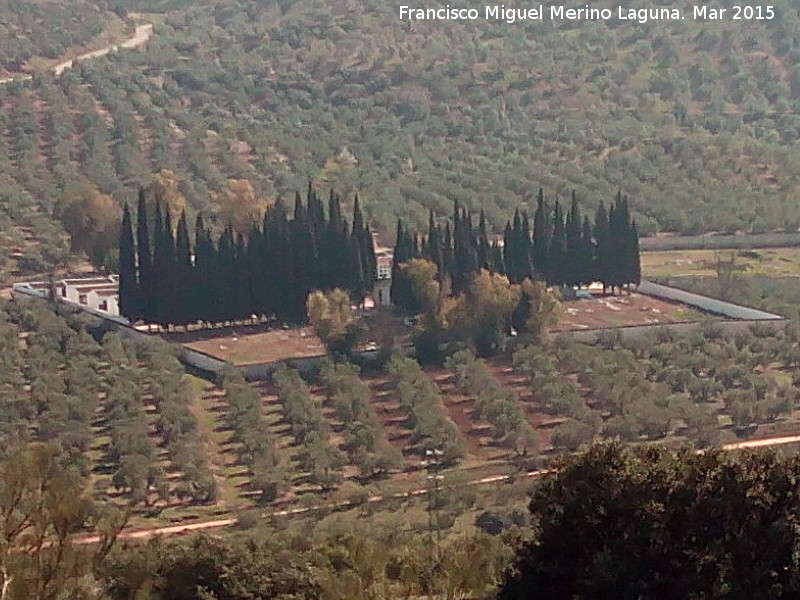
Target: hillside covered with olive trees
<point>695,121</point>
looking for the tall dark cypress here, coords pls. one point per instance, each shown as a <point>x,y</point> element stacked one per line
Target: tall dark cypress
<point>541,238</point>
<point>257,283</point>
<point>525,265</point>
<point>363,259</point>
<point>184,307</point>
<point>158,264</point>
<point>465,252</point>
<point>508,252</point>
<point>240,291</point>
<point>304,255</point>
<point>433,245</point>
<point>164,269</point>
<point>484,248</point>
<point>205,274</point>
<point>515,249</point>
<point>401,291</point>
<point>367,249</point>
<point>618,225</point>
<point>557,252</point>
<point>226,276</point>
<point>586,256</point>
<point>128,283</point>
<point>602,247</point>
<point>447,252</point>
<point>147,288</point>
<point>460,251</point>
<point>277,262</point>
<point>572,258</point>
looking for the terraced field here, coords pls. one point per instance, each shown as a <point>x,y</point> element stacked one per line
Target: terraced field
<point>579,393</point>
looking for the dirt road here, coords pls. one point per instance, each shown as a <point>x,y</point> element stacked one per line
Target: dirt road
<point>140,37</point>
<point>145,534</point>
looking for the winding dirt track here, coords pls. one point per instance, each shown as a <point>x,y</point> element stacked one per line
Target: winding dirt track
<point>139,38</point>
<point>145,534</point>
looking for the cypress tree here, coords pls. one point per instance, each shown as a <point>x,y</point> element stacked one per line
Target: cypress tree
<point>128,283</point>
<point>602,247</point>
<point>433,245</point>
<point>367,249</point>
<point>241,277</point>
<point>557,251</point>
<point>303,260</point>
<point>508,252</point>
<point>185,308</point>
<point>401,291</point>
<point>256,272</point>
<point>447,253</point>
<point>484,249</point>
<point>277,262</point>
<point>158,264</point>
<point>362,249</point>
<point>572,258</point>
<point>515,249</point>
<point>524,262</point>
<point>164,268</point>
<point>335,264</point>
<point>541,238</point>
<point>618,226</point>
<point>147,288</point>
<point>460,250</point>
<point>226,277</point>
<point>465,252</point>
<point>586,260</point>
<point>205,274</point>
<point>614,256</point>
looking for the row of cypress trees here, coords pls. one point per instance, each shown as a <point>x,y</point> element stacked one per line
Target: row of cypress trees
<point>561,249</point>
<point>165,279</point>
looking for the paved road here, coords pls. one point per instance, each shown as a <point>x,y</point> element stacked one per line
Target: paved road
<point>140,37</point>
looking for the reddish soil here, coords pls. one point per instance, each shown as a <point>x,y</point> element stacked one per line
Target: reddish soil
<point>255,344</point>
<point>460,409</point>
<point>618,311</point>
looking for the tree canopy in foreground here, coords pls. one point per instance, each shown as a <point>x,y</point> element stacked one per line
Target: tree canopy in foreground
<point>653,523</point>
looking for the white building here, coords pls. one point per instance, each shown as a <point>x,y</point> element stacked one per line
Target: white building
<point>100,293</point>
<point>381,294</point>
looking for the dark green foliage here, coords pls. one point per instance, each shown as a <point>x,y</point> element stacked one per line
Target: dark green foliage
<point>205,567</point>
<point>268,273</point>
<point>128,281</point>
<point>563,250</point>
<point>144,262</point>
<point>651,523</point>
<point>401,291</point>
